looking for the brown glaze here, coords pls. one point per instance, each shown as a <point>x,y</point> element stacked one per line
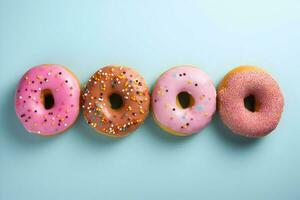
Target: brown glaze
<point>97,109</point>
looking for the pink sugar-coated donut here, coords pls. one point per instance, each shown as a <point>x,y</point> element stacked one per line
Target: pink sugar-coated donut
<point>167,112</point>
<point>30,108</point>
<point>239,84</point>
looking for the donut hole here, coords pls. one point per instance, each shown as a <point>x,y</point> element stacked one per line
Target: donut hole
<point>116,101</point>
<point>250,103</point>
<point>185,100</point>
<point>47,99</point>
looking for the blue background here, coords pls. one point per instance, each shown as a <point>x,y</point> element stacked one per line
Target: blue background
<point>150,36</point>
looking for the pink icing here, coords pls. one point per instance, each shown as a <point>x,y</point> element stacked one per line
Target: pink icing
<point>30,109</point>
<point>268,96</point>
<point>184,79</point>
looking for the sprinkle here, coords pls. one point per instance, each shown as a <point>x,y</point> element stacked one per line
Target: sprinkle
<point>199,107</point>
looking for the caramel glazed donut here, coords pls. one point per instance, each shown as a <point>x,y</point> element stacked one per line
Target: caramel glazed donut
<point>115,101</point>
<point>243,82</point>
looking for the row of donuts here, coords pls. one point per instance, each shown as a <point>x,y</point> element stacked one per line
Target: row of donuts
<point>116,100</point>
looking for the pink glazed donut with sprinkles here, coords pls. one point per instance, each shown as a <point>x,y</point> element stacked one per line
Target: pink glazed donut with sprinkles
<point>47,99</point>
<point>183,100</point>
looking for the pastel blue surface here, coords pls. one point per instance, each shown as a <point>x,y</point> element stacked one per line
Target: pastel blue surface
<point>150,36</point>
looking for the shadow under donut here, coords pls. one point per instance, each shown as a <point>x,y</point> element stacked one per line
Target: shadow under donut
<point>86,132</point>
<point>228,136</point>
<point>162,135</point>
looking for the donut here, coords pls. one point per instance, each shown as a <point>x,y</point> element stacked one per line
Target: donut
<point>200,97</point>
<point>47,99</point>
<point>267,101</point>
<point>115,101</point>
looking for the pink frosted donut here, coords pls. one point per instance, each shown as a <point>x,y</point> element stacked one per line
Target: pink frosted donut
<point>199,92</point>
<point>243,82</point>
<point>47,99</point>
